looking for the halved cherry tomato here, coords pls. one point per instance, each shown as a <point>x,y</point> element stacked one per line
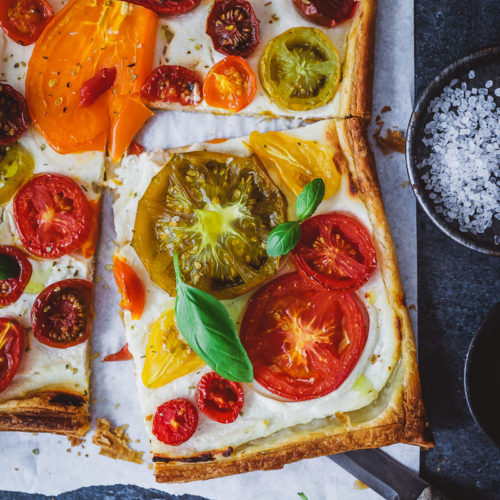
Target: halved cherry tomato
<point>233,27</point>
<point>16,260</point>
<point>327,12</point>
<point>220,399</point>
<point>167,7</point>
<point>24,20</point>
<point>230,84</point>
<point>303,342</point>
<point>172,84</point>
<point>11,349</point>
<point>130,286</point>
<point>335,251</point>
<point>135,148</point>
<point>62,313</point>
<point>122,355</point>
<point>53,216</point>
<point>175,421</point>
<point>14,116</point>
<point>96,86</point>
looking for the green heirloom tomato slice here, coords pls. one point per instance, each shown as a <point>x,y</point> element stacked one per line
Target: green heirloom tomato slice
<point>16,165</point>
<point>300,69</point>
<point>216,211</point>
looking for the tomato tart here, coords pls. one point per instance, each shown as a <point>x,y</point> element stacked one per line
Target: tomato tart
<point>264,308</point>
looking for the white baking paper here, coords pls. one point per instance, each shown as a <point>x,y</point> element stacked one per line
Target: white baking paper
<point>58,468</point>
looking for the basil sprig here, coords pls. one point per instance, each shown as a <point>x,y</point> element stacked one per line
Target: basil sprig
<point>284,237</point>
<point>208,329</point>
<point>8,267</point>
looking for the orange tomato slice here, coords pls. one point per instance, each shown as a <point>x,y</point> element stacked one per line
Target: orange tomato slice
<point>130,286</point>
<point>230,84</point>
<point>86,36</point>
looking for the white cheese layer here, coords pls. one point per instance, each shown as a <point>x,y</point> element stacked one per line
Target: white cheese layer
<point>193,48</point>
<point>263,414</point>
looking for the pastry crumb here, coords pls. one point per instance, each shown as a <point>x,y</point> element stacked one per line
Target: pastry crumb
<point>394,140</point>
<point>358,485</point>
<point>75,441</point>
<point>114,442</point>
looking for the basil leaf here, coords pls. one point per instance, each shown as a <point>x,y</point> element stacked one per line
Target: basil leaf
<point>207,327</point>
<point>310,198</point>
<point>9,267</point>
<point>283,238</point>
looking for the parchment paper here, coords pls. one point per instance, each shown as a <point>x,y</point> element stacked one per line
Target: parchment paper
<point>57,467</point>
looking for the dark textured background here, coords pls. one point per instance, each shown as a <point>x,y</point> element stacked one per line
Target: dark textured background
<point>456,288</point>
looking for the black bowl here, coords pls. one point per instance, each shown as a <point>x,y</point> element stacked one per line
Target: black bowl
<point>482,375</point>
<point>486,65</point>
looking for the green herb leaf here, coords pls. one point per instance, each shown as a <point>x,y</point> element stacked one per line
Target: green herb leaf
<point>310,198</point>
<point>9,268</point>
<point>302,495</point>
<point>283,238</point>
<point>207,327</point>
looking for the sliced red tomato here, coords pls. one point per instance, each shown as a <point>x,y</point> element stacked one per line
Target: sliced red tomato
<point>24,20</point>
<point>11,349</point>
<point>230,84</point>
<point>172,84</point>
<point>335,251</point>
<point>17,261</point>
<point>220,399</point>
<point>122,355</point>
<point>167,7</point>
<point>327,12</point>
<point>62,314</point>
<point>96,86</point>
<point>135,148</point>
<point>175,421</point>
<point>53,216</point>
<point>130,286</point>
<point>14,116</point>
<point>233,27</point>
<point>303,342</point>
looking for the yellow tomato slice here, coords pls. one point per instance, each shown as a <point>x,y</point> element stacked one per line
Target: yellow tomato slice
<point>85,37</point>
<point>168,356</point>
<point>295,161</point>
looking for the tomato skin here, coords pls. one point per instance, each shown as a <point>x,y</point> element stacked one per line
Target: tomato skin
<point>11,349</point>
<point>295,336</point>
<point>64,305</point>
<point>122,355</point>
<point>24,20</point>
<point>175,421</point>
<point>233,27</point>
<point>12,288</point>
<point>327,13</point>
<point>130,286</point>
<point>173,84</point>
<point>94,87</point>
<point>230,84</point>
<point>15,119</point>
<point>53,215</point>
<point>167,7</point>
<point>135,148</point>
<point>220,399</point>
<point>335,251</point>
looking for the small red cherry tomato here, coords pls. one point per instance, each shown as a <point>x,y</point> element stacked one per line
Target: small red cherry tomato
<point>53,216</point>
<point>14,116</point>
<point>303,342</point>
<point>335,251</point>
<point>219,399</point>
<point>172,84</point>
<point>327,13</point>
<point>11,349</point>
<point>96,86</point>
<point>167,7</point>
<point>62,313</point>
<point>130,286</point>
<point>175,421</point>
<point>15,260</point>
<point>230,84</point>
<point>122,355</point>
<point>24,20</point>
<point>233,27</point>
<point>135,148</point>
